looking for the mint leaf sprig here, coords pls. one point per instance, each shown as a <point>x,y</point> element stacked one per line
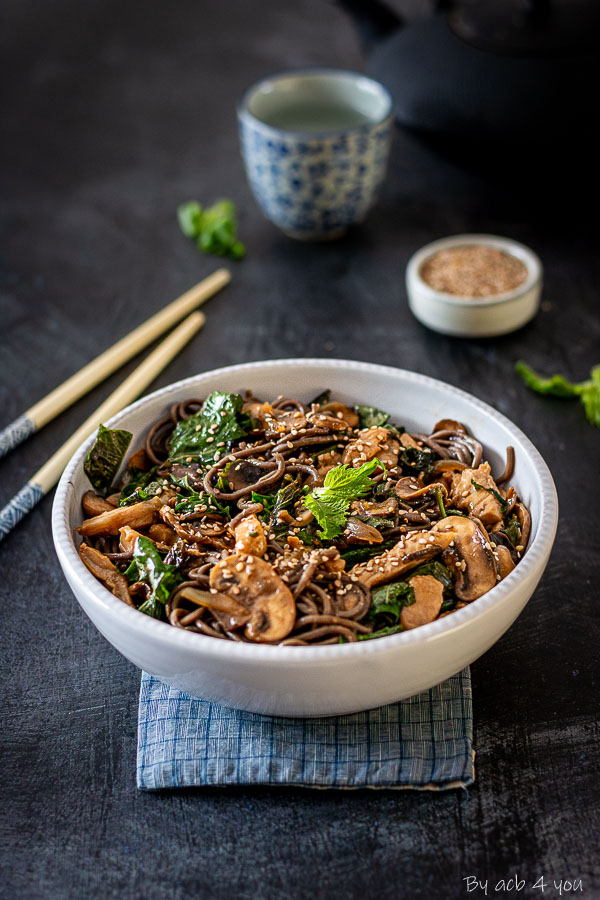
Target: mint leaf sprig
<point>330,504</point>
<point>212,228</point>
<point>558,386</point>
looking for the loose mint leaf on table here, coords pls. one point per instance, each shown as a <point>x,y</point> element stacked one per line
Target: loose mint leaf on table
<point>104,459</point>
<point>220,421</point>
<point>589,394</point>
<point>213,228</point>
<point>148,566</point>
<point>329,504</point>
<point>558,386</point>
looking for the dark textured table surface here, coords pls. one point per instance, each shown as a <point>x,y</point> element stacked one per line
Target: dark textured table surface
<point>112,114</point>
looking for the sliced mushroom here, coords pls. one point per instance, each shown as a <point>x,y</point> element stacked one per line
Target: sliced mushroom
<point>229,611</point>
<point>505,560</point>
<point>413,549</point>
<point>471,559</point>
<point>370,443</point>
<point>250,536</point>
<point>357,532</point>
<point>525,523</point>
<point>384,508</point>
<point>477,501</point>
<point>138,460</point>
<point>340,411</point>
<point>138,515</point>
<point>429,596</point>
<point>253,583</point>
<point>412,489</point>
<point>449,425</point>
<point>329,421</point>
<point>100,566</point>
<point>242,474</point>
<point>407,440</point>
<point>94,505</point>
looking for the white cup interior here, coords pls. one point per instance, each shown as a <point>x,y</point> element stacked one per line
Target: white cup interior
<point>337,100</point>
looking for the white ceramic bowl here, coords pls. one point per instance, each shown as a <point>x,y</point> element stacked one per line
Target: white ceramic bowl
<point>474,317</point>
<point>332,679</point>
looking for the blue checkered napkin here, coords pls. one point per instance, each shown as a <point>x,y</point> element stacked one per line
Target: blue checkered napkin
<point>424,743</point>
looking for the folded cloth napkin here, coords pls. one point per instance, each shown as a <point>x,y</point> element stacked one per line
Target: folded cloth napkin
<point>424,743</point>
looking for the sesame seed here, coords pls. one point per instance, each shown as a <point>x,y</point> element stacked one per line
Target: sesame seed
<point>239,567</point>
<point>209,440</point>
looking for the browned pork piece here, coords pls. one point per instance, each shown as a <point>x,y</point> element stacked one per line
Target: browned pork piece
<point>250,536</point>
<point>100,566</point>
<point>476,501</point>
<point>252,582</point>
<point>429,596</point>
<point>138,515</point>
<point>370,443</point>
<point>471,557</point>
<point>412,550</point>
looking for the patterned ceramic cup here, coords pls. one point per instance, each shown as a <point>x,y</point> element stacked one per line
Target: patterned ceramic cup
<point>315,144</point>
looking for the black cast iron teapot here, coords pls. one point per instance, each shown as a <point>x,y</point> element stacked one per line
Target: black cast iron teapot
<point>504,72</point>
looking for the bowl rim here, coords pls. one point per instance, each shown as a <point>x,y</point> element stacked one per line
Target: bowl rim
<point>244,114</point>
<point>525,254</point>
<point>208,647</point>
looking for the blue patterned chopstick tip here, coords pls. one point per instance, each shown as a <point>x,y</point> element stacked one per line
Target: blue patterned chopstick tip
<point>17,508</point>
<point>15,433</point>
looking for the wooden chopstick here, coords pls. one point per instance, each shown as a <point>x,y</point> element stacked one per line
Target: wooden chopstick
<point>45,478</point>
<point>108,362</point>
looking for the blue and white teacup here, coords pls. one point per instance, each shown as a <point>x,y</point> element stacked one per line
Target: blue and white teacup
<point>315,144</point>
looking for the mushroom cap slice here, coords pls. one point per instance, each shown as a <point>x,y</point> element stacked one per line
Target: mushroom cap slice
<point>409,488</point>
<point>429,596</point>
<point>100,566</point>
<point>412,550</point>
<point>471,559</point>
<point>231,613</point>
<point>253,583</point>
<point>357,532</point>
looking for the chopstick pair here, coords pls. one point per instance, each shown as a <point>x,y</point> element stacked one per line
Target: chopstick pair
<point>96,371</point>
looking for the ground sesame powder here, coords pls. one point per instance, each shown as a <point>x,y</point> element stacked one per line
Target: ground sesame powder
<point>473,271</point>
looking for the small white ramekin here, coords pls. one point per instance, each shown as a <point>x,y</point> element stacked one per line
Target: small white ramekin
<point>480,316</point>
